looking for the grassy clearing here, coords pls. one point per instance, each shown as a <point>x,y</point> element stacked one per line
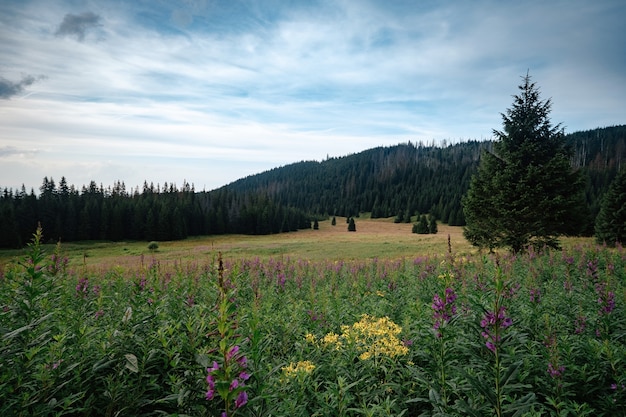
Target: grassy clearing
<point>374,238</point>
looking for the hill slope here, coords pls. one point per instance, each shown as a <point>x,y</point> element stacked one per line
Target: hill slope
<point>404,179</point>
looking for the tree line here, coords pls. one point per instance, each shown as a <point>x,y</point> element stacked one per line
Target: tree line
<point>154,213</point>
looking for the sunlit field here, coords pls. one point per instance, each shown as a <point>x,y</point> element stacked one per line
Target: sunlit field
<point>377,322</point>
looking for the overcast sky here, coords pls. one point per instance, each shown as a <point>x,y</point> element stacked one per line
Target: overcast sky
<point>210,91</point>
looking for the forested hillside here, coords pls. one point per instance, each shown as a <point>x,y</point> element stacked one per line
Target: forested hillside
<point>398,181</point>
<point>413,178</point>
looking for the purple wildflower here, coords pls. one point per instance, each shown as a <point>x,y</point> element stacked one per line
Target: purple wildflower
<point>241,399</point>
<point>443,309</point>
<point>234,384</point>
<point>232,352</point>
<point>492,323</point>
<point>555,372</point>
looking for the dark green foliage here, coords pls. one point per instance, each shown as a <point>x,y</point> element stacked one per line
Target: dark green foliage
<point>316,225</point>
<point>334,221</point>
<point>351,225</point>
<point>611,222</point>
<point>525,191</point>
<point>421,227</point>
<point>432,225</point>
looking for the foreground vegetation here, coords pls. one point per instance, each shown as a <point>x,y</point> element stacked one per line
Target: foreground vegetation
<point>528,335</point>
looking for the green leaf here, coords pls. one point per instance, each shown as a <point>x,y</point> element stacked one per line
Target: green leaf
<point>131,363</point>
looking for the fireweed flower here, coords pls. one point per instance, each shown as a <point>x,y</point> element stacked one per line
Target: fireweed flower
<point>535,295</point>
<point>606,299</point>
<point>491,323</point>
<point>554,371</point>
<point>242,399</point>
<point>443,309</point>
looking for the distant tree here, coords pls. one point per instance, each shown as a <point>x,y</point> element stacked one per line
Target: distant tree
<point>610,224</point>
<point>421,227</point>
<point>399,217</point>
<point>351,225</point>
<point>432,225</point>
<point>525,191</point>
<point>334,221</point>
<point>316,225</point>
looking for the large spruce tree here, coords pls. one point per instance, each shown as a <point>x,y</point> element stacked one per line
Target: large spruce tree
<point>525,191</point>
<point>611,221</point>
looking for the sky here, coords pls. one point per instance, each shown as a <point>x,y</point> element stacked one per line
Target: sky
<point>211,91</point>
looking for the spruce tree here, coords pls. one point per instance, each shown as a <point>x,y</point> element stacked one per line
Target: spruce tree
<point>422,226</point>
<point>525,191</point>
<point>611,221</point>
<point>432,225</point>
<point>351,225</point>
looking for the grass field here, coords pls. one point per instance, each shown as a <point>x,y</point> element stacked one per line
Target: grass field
<point>374,239</point>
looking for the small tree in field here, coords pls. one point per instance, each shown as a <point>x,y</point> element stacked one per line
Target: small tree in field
<point>334,221</point>
<point>316,225</point>
<point>525,191</point>
<point>351,225</point>
<point>432,225</point>
<point>611,221</point>
<point>422,226</point>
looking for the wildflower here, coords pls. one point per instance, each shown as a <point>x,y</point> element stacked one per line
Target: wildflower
<point>234,384</point>
<point>580,324</point>
<point>555,372</point>
<point>491,323</point>
<point>299,368</point>
<point>232,352</point>
<point>443,309</point>
<point>535,295</point>
<point>310,338</point>
<point>373,337</point>
<point>241,399</point>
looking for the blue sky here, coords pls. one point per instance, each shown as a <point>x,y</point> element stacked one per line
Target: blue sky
<point>210,91</point>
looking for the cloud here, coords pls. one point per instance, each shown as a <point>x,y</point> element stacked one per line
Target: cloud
<point>10,151</point>
<point>78,24</point>
<point>9,88</point>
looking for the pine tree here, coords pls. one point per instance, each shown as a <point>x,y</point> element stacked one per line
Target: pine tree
<point>610,224</point>
<point>351,225</point>
<point>316,225</point>
<point>525,191</point>
<point>432,225</point>
<point>422,226</point>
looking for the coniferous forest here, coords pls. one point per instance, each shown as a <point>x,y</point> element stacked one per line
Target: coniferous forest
<point>399,181</point>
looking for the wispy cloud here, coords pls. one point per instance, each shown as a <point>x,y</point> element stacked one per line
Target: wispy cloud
<point>9,88</point>
<point>77,25</point>
<point>211,91</point>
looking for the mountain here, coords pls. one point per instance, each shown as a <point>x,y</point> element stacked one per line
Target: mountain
<point>406,179</point>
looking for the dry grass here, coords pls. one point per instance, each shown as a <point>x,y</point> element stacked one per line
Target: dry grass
<point>374,238</point>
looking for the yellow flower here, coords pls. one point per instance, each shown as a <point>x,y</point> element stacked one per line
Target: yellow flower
<point>310,338</point>
<point>301,368</point>
<point>371,336</point>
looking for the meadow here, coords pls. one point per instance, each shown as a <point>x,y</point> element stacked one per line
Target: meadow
<point>380,322</point>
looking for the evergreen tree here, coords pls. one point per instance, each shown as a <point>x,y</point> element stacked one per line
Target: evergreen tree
<point>422,226</point>
<point>432,225</point>
<point>316,225</point>
<point>334,221</point>
<point>525,191</point>
<point>611,221</point>
<point>351,225</point>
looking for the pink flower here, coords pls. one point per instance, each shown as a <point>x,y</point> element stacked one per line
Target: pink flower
<point>232,352</point>
<point>241,400</point>
<point>209,394</point>
<point>234,384</point>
